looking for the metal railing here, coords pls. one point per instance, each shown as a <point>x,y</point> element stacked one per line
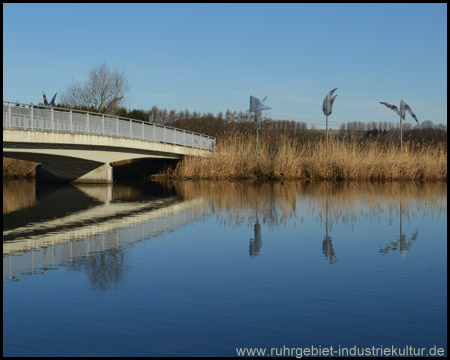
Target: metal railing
<point>38,118</point>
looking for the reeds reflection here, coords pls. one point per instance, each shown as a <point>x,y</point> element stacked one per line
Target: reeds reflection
<point>238,203</point>
<point>18,195</point>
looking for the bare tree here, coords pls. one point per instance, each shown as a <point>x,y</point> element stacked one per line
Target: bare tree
<point>104,91</point>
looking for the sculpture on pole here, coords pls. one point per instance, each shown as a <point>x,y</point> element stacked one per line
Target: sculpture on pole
<point>256,107</point>
<point>402,113</point>
<point>327,108</point>
<point>46,103</point>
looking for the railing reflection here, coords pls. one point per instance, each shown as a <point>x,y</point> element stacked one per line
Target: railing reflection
<point>98,250</point>
<point>94,238</point>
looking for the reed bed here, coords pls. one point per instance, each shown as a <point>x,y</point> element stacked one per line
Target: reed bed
<point>14,168</point>
<point>236,157</point>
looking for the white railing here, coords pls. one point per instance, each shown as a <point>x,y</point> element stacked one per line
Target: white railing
<point>39,118</point>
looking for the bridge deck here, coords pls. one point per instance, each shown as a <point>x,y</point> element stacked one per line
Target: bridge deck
<point>74,146</point>
<point>30,117</point>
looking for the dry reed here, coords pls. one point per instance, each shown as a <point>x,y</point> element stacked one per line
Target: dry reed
<point>235,157</point>
<point>14,168</point>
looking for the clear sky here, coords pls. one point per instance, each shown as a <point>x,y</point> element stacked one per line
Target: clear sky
<point>212,57</point>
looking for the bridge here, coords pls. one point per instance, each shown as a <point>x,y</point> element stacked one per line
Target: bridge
<point>82,147</point>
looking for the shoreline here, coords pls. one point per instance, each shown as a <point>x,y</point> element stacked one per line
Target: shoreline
<point>236,158</point>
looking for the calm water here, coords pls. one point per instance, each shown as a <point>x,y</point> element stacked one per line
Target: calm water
<point>201,268</point>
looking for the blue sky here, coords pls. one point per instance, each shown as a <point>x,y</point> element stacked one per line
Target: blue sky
<point>212,57</point>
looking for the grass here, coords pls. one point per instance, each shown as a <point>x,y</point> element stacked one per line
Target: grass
<point>235,157</point>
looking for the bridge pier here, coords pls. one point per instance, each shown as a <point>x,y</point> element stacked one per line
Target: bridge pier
<point>74,173</point>
<point>101,175</point>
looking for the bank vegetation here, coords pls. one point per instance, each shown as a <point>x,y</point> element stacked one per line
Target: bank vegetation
<point>236,156</point>
<point>293,149</point>
<point>18,169</point>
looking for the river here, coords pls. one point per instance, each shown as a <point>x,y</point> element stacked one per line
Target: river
<point>199,268</point>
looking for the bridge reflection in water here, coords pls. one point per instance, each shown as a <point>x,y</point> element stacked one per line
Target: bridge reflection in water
<point>95,236</point>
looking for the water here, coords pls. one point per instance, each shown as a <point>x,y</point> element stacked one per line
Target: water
<point>202,268</point>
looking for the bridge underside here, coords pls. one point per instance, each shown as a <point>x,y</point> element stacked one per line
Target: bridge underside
<point>85,158</point>
<point>54,168</point>
<point>57,168</point>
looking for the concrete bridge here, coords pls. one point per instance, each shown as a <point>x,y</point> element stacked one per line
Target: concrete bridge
<point>79,146</point>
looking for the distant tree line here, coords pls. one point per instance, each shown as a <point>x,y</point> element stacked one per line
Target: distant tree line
<point>106,88</point>
<point>243,122</point>
<point>424,132</point>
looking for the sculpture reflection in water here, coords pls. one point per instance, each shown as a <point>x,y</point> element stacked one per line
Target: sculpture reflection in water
<point>401,242</point>
<point>236,203</point>
<point>327,245</point>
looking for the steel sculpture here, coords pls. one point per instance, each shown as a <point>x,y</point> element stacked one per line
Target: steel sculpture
<point>46,103</point>
<point>327,108</point>
<point>256,107</point>
<point>402,113</point>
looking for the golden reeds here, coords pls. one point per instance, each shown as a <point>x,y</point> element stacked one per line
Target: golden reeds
<point>14,168</point>
<point>235,157</point>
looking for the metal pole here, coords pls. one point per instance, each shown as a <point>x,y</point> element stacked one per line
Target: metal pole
<point>31,117</point>
<point>103,125</point>
<point>71,121</point>
<point>257,135</point>
<point>53,119</point>
<point>131,126</point>
<point>9,115</point>
<point>327,135</point>
<point>401,132</point>
<point>87,122</point>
